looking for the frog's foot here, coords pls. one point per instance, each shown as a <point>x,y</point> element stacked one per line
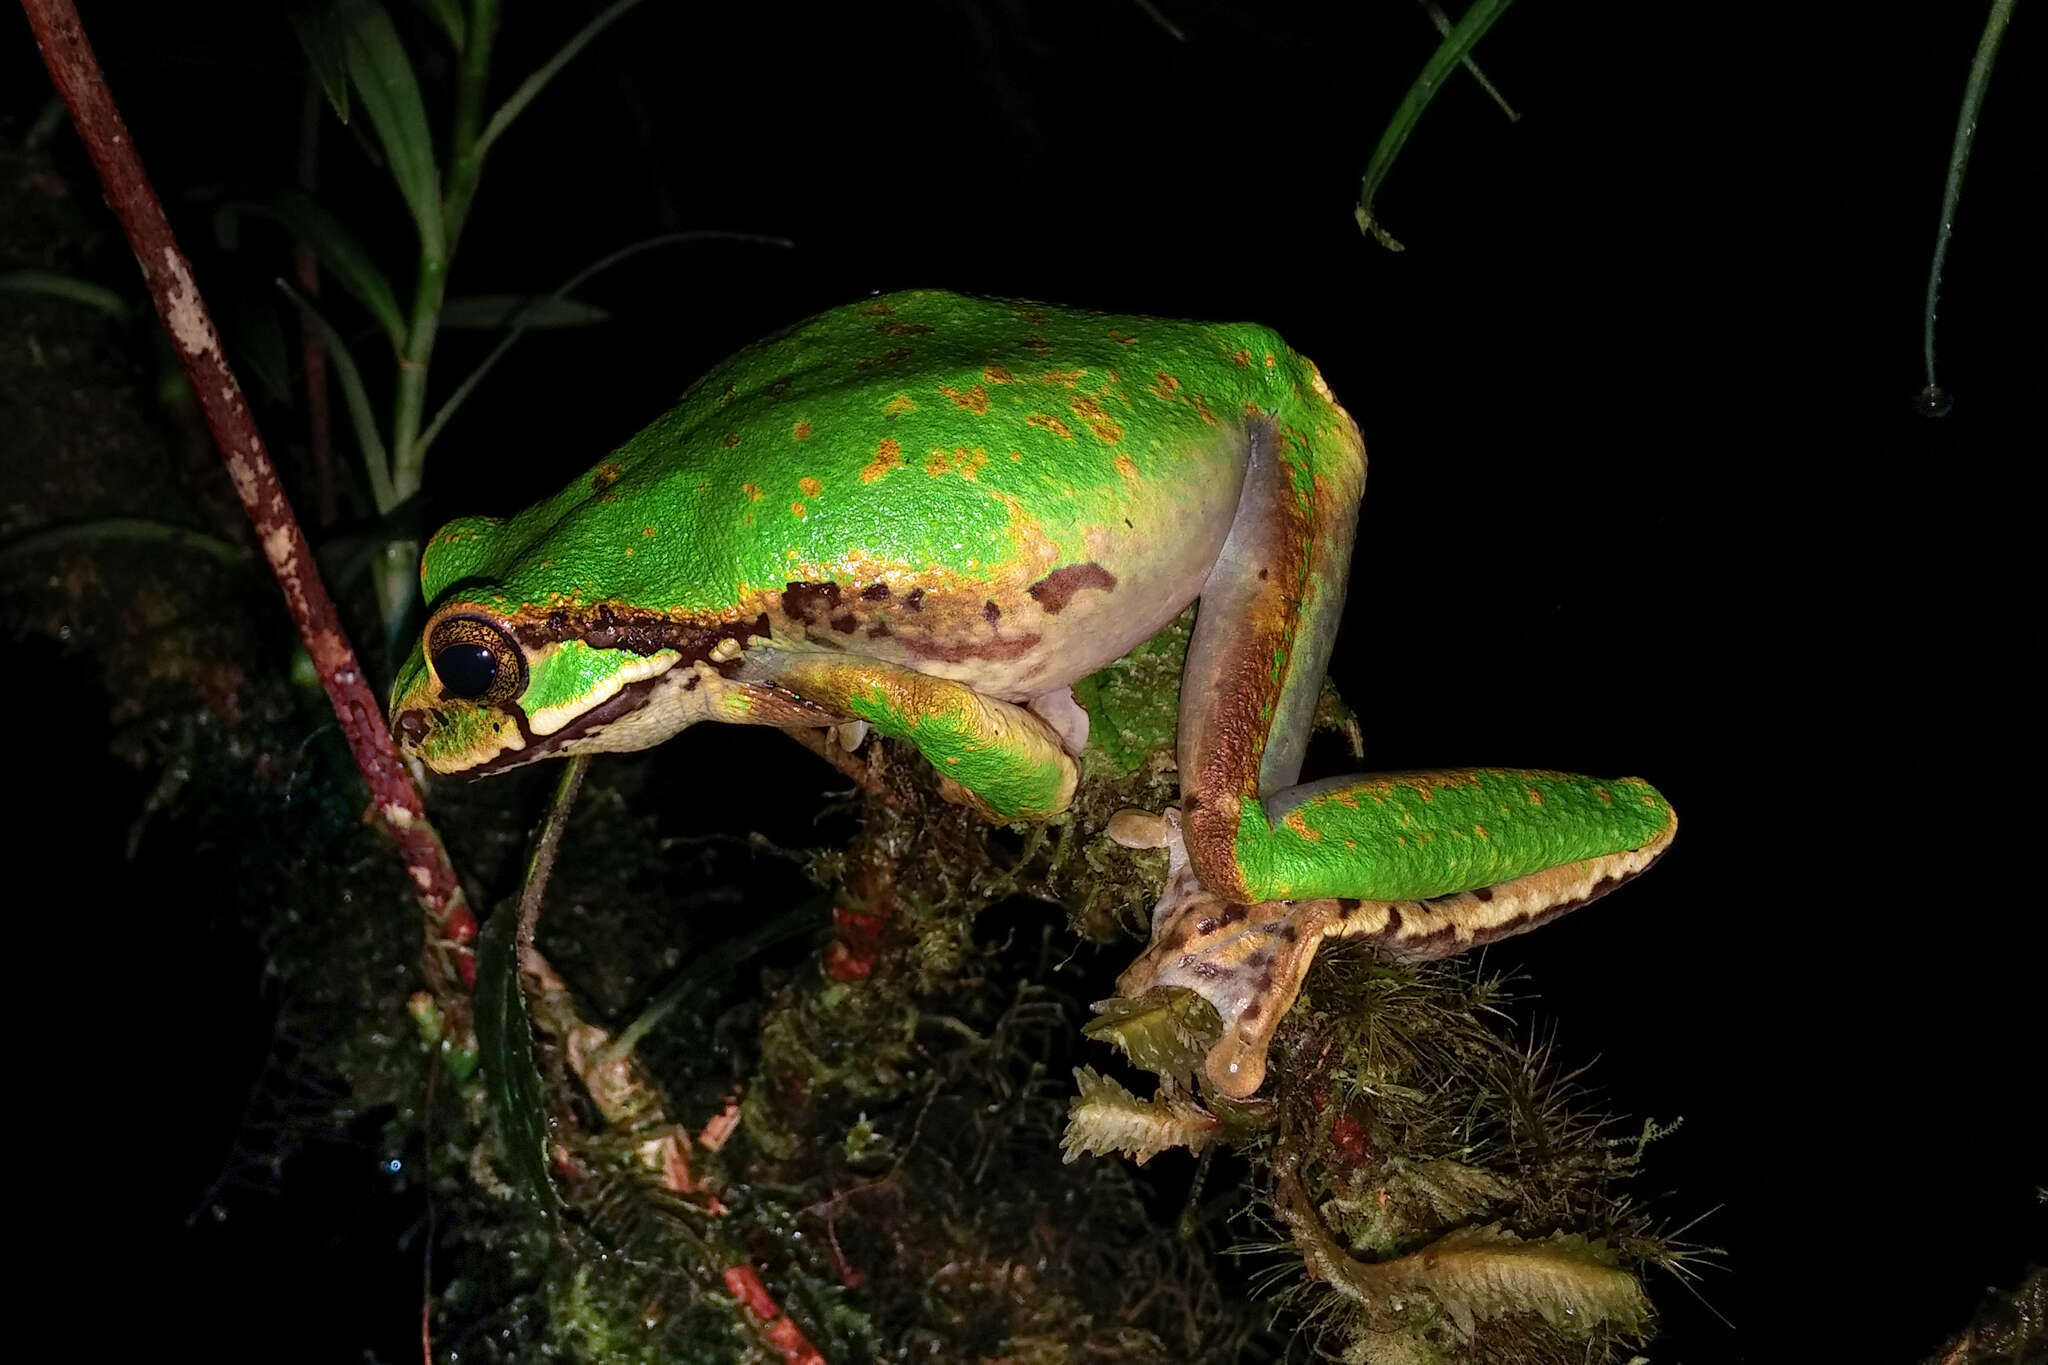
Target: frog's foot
<point>1067,717</point>
<point>1247,961</point>
<point>1135,828</point>
<point>850,734</point>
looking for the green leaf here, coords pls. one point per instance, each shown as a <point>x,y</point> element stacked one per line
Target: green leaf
<point>518,325</point>
<point>344,258</point>
<point>491,311</point>
<point>538,81</point>
<point>361,416</point>
<point>50,284</point>
<point>1449,53</point>
<point>320,38</point>
<point>383,79</point>
<point>1934,401</point>
<point>504,1035</point>
<point>134,529</point>
<point>255,334</point>
<point>448,14</point>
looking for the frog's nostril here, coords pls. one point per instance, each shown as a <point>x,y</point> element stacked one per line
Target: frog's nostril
<point>412,724</point>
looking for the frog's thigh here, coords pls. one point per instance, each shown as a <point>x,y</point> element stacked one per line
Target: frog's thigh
<point>1004,761</point>
<point>1262,638</point>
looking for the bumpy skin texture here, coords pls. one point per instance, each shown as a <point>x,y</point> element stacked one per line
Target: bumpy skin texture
<point>927,511</point>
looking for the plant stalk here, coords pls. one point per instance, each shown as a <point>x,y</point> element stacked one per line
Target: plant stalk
<point>395,805</point>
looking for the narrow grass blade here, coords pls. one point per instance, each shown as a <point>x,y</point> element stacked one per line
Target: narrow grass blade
<point>343,256</point>
<point>53,285</point>
<point>1449,53</point>
<point>361,416</point>
<point>383,78</point>
<point>538,81</point>
<point>486,312</point>
<point>1933,401</point>
<point>518,326</point>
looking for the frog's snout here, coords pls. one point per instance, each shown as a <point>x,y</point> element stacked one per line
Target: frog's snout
<point>410,724</point>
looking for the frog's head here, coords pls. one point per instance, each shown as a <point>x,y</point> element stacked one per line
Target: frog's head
<point>505,674</point>
<point>481,694</point>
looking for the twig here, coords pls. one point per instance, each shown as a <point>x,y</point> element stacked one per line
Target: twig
<point>394,802</point>
<point>540,862</point>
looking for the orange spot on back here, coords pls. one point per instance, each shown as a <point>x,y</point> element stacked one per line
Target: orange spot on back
<point>1126,468</point>
<point>1104,427</point>
<point>796,509</point>
<point>802,431</point>
<point>898,405</point>
<point>1243,359</point>
<point>1165,389</point>
<point>1064,378</point>
<point>960,460</point>
<point>752,490</point>
<point>1121,338</point>
<point>888,456</point>
<point>1051,424</point>
<point>975,400</point>
<point>810,486</point>
<point>996,374</point>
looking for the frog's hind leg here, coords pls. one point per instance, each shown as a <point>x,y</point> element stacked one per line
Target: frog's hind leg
<point>1262,637</point>
<point>1255,665</point>
<point>995,756</point>
<point>1424,864</point>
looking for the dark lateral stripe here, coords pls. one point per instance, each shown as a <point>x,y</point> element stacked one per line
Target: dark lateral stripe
<point>623,702</point>
<point>1419,930</point>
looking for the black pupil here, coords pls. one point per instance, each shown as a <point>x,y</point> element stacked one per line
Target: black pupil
<point>466,670</point>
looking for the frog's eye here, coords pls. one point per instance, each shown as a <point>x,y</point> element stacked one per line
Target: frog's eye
<point>476,660</point>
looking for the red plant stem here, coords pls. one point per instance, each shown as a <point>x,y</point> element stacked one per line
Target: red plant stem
<point>394,802</point>
<point>778,1328</point>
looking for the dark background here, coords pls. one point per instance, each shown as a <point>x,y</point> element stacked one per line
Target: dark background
<point>1649,495</point>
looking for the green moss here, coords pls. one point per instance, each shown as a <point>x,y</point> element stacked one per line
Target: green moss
<point>1134,704</point>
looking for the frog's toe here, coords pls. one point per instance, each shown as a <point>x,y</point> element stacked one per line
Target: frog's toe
<point>850,734</point>
<point>1135,828</point>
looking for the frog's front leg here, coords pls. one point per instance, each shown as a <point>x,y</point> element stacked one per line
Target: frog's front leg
<point>1428,863</point>
<point>995,756</point>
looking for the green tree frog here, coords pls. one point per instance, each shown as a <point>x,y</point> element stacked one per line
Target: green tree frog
<point>932,514</point>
